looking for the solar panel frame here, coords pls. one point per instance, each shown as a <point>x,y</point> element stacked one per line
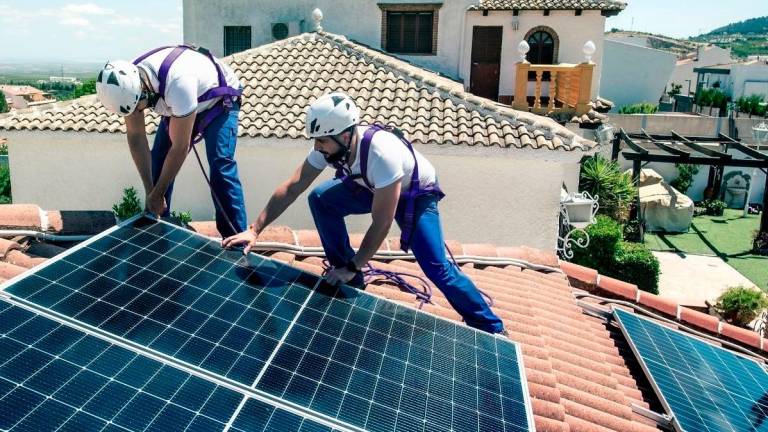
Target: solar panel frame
<point>677,415</point>
<point>271,399</point>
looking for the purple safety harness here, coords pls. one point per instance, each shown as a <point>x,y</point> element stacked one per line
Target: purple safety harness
<point>423,292</point>
<point>408,200</point>
<point>227,94</point>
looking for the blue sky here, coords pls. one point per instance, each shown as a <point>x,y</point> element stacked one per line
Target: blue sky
<point>86,31</point>
<point>683,18</point>
<point>97,30</point>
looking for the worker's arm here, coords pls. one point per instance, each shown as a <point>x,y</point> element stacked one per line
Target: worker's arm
<point>180,133</point>
<point>139,147</point>
<point>285,194</point>
<point>383,213</point>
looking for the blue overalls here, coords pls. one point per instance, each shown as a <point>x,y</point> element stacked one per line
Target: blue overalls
<point>419,221</point>
<point>218,127</point>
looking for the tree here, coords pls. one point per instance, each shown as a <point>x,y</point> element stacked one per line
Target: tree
<point>3,104</point>
<point>86,88</point>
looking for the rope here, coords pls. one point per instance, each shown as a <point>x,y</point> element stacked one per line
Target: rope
<point>213,193</point>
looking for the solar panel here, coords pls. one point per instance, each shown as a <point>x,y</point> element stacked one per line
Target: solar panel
<point>384,367</point>
<point>339,355</point>
<point>177,293</point>
<point>54,377</point>
<point>704,387</point>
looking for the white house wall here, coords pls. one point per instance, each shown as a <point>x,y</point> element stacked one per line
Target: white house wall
<point>501,200</point>
<point>634,74</point>
<point>359,20</point>
<point>573,32</point>
<point>748,79</point>
<point>707,56</point>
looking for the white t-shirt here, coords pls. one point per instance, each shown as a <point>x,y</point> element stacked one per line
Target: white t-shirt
<point>389,160</point>
<point>190,76</point>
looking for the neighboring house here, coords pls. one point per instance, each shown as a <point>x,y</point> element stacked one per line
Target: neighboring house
<point>624,82</point>
<point>20,97</point>
<point>735,79</point>
<point>502,169</point>
<point>473,41</point>
<point>684,74</point>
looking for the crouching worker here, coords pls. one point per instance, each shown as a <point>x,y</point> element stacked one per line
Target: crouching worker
<point>377,172</point>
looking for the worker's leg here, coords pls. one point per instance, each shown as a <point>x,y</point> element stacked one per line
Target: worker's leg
<point>428,246</point>
<point>329,203</point>
<point>220,143</point>
<point>159,151</point>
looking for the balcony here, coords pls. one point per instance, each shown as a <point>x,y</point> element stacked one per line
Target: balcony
<point>568,88</point>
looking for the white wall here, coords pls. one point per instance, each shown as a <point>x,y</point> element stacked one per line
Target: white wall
<point>573,32</point>
<point>493,196</point>
<point>359,20</point>
<point>634,74</point>
<point>632,39</point>
<point>706,56</point>
<point>749,78</point>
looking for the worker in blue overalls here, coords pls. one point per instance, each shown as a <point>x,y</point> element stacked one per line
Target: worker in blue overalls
<point>377,172</point>
<point>198,98</point>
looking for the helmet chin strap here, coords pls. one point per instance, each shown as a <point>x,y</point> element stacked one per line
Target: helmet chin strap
<point>342,156</point>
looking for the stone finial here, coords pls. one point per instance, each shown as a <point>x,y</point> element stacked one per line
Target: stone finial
<point>317,16</point>
<point>589,50</point>
<point>523,49</point>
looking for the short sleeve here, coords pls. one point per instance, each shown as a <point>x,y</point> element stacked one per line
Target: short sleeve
<point>316,159</point>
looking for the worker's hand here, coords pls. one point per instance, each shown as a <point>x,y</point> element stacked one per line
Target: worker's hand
<point>339,275</point>
<point>156,203</point>
<point>247,238</point>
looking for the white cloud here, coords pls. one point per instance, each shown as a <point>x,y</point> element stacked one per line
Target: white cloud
<point>75,21</point>
<point>86,9</point>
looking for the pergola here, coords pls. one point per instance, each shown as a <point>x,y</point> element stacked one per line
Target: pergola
<point>643,148</point>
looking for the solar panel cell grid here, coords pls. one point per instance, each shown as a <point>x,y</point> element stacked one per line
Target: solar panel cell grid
<point>706,388</point>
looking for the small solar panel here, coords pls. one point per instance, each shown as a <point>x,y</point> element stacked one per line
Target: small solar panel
<point>175,292</point>
<point>383,367</point>
<point>703,386</point>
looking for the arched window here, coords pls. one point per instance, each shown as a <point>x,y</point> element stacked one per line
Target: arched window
<point>542,48</point>
<point>544,45</point>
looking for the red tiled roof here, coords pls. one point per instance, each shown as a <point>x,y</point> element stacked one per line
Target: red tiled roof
<point>582,376</point>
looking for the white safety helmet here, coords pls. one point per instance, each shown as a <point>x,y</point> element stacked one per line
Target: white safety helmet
<point>119,87</point>
<point>331,114</point>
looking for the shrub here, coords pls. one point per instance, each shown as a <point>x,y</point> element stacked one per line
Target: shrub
<point>713,207</point>
<point>635,263</point>
<point>640,108</point>
<point>185,217</point>
<point>751,105</point>
<point>760,243</point>
<point>685,175</point>
<point>614,189</point>
<point>129,206</point>
<point>713,97</point>
<point>5,185</point>
<point>606,253</point>
<point>604,237</point>
<point>740,305</point>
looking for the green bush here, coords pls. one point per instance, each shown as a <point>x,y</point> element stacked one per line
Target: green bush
<point>751,105</point>
<point>610,256</point>
<point>685,175</point>
<point>185,217</point>
<point>5,185</point>
<point>713,97</point>
<point>129,206</point>
<point>613,188</point>
<point>740,305</point>
<point>639,108</point>
<point>604,237</point>
<point>713,207</point>
<point>635,263</point>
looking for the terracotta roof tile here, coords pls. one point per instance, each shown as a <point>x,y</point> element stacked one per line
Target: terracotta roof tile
<point>606,5</point>
<point>281,79</point>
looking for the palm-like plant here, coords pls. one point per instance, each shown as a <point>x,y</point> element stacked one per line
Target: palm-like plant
<point>603,178</point>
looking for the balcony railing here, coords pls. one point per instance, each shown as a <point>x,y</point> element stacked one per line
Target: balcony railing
<point>570,87</point>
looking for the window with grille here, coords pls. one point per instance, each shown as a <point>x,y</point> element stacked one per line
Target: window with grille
<point>236,39</point>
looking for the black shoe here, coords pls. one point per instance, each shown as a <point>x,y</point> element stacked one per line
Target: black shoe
<point>358,281</point>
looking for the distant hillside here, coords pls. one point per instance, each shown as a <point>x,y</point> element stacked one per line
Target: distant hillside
<point>754,25</point>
